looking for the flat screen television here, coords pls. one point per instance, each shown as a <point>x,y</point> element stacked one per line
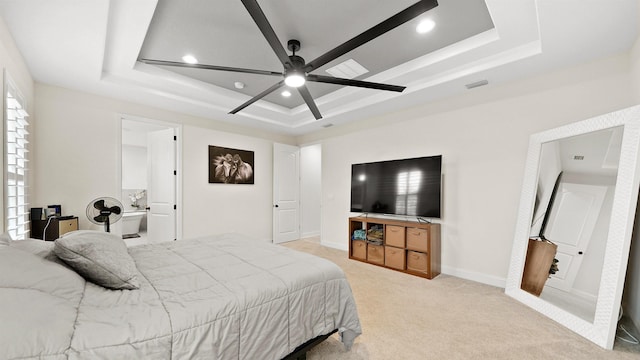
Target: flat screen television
<point>398,187</point>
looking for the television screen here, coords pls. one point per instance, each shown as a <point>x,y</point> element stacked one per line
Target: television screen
<point>398,187</point>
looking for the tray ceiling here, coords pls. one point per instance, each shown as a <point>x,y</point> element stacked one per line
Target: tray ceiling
<point>93,46</point>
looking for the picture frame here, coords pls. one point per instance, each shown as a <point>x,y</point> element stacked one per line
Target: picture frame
<point>231,166</point>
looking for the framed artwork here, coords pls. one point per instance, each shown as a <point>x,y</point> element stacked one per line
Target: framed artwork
<point>230,166</point>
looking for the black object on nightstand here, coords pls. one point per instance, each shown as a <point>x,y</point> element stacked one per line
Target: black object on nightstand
<point>57,227</point>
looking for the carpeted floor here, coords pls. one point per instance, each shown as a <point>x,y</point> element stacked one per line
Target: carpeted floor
<point>407,317</point>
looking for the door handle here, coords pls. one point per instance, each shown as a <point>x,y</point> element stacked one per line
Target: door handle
<point>147,208</point>
<point>276,205</point>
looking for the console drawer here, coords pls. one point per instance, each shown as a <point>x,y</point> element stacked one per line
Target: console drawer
<point>394,236</point>
<point>359,249</point>
<point>375,254</point>
<point>418,239</point>
<point>417,261</point>
<point>394,257</point>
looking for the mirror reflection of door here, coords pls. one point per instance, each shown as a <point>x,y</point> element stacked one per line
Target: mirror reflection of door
<point>573,219</point>
<point>579,210</point>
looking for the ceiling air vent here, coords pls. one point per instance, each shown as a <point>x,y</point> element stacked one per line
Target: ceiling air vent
<point>327,125</point>
<point>477,84</point>
<point>347,70</point>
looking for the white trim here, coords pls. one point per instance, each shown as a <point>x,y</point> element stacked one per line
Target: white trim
<point>337,246</point>
<point>602,330</point>
<point>309,234</point>
<point>475,276</point>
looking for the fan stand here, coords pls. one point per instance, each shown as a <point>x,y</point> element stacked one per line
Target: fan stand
<point>107,228</point>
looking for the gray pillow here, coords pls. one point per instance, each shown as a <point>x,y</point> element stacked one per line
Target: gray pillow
<point>99,257</point>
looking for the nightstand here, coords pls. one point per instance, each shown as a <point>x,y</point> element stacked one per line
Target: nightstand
<point>56,228</point>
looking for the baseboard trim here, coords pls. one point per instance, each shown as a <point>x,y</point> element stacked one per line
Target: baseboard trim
<point>335,246</point>
<point>461,273</point>
<point>310,234</point>
<point>475,276</point>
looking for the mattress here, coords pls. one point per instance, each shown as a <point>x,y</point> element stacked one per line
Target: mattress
<point>215,297</point>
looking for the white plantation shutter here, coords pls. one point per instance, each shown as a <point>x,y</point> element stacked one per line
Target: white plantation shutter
<point>16,140</point>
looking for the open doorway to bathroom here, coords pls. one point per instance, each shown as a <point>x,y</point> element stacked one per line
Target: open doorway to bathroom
<point>149,181</point>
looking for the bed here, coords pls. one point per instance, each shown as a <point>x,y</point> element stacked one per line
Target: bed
<point>215,297</point>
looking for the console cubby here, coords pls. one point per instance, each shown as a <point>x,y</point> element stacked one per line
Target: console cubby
<point>409,247</point>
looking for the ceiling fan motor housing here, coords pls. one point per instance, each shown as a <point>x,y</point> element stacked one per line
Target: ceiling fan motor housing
<point>297,62</point>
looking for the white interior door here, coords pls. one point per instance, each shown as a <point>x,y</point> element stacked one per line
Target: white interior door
<point>161,183</point>
<point>286,193</point>
<point>571,223</point>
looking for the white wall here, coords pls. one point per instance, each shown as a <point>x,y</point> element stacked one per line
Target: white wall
<point>483,141</point>
<point>134,167</point>
<point>218,208</point>
<point>311,189</point>
<point>13,64</point>
<point>84,130</point>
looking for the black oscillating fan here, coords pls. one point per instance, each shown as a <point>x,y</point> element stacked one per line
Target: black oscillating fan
<point>104,210</point>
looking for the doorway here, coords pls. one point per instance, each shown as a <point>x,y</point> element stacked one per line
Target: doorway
<point>297,192</point>
<point>310,191</point>
<point>149,181</point>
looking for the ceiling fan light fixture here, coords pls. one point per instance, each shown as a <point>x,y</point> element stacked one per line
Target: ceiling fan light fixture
<point>294,79</point>
<point>190,59</point>
<point>286,93</point>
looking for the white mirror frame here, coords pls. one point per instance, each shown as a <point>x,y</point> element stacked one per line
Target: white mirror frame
<point>602,330</point>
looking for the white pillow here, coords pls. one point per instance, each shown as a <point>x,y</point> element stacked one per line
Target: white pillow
<point>99,257</point>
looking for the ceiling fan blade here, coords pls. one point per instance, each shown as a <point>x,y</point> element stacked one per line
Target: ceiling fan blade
<point>396,20</point>
<point>306,95</point>
<point>358,83</point>
<point>258,97</point>
<point>267,31</point>
<point>209,67</point>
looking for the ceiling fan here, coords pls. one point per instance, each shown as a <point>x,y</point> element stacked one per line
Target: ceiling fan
<point>296,71</point>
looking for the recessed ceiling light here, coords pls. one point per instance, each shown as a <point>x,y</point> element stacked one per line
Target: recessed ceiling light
<point>425,26</point>
<point>190,59</point>
<point>286,93</point>
<point>238,85</point>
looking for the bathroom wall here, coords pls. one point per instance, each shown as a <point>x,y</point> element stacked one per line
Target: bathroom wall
<point>134,167</point>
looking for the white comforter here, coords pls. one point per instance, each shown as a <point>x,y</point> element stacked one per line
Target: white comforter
<point>222,297</point>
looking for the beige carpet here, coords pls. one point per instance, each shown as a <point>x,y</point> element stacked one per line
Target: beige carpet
<point>407,317</point>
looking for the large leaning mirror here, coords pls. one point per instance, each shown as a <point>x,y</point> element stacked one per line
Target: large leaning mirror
<point>575,220</point>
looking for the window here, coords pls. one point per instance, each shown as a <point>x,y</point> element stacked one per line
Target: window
<point>16,140</point>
